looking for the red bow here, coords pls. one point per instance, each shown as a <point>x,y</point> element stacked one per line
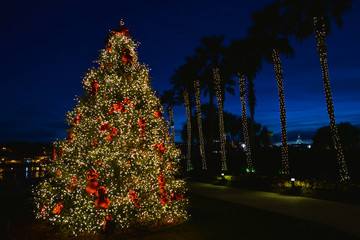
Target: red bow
<point>161,149</point>
<point>134,198</point>
<point>70,135</point>
<point>122,30</point>
<point>164,200</point>
<point>106,127</point>
<point>109,47</point>
<point>77,119</point>
<point>158,114</point>
<point>92,175</point>
<point>58,208</point>
<point>120,106</point>
<point>127,58</point>
<point>94,86</point>
<point>117,107</point>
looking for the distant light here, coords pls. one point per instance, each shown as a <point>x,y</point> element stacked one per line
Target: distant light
<point>243,145</point>
<point>292,179</point>
<point>309,146</point>
<point>222,174</point>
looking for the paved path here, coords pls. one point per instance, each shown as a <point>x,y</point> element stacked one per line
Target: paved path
<point>341,216</point>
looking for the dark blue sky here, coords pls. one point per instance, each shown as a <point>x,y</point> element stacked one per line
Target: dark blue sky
<point>47,46</point>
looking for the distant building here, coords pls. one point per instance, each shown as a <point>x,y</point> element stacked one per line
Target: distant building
<point>300,144</point>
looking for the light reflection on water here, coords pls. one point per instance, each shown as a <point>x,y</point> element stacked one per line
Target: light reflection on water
<point>21,173</point>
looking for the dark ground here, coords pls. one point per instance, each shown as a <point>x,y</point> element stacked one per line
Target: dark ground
<point>210,219</point>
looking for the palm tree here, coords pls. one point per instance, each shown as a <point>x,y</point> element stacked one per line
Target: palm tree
<point>183,87</point>
<point>244,60</point>
<point>169,100</point>
<point>313,17</point>
<point>196,65</point>
<point>268,28</point>
<point>212,50</point>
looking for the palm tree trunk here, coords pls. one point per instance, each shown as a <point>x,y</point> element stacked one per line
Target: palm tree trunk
<point>221,118</point>
<point>188,124</point>
<point>321,48</point>
<point>244,123</point>
<point>210,134</point>
<point>279,79</point>
<point>199,120</point>
<point>252,103</point>
<point>171,114</point>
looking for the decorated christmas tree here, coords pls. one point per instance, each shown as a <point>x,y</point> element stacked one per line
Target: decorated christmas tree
<point>118,168</point>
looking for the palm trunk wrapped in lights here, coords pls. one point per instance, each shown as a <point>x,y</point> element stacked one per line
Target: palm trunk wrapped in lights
<point>171,114</point>
<point>244,123</point>
<point>279,79</point>
<point>221,118</point>
<point>321,48</point>
<point>199,120</point>
<point>251,102</point>
<point>188,123</point>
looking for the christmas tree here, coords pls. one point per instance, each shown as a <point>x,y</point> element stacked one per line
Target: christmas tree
<point>118,166</point>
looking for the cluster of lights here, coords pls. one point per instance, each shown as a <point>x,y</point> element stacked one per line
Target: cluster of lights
<point>320,35</point>
<point>125,162</point>
<point>188,125</point>
<point>244,121</point>
<point>199,121</point>
<point>218,92</point>
<point>279,79</point>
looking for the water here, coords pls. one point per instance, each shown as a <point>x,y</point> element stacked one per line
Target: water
<point>21,173</point>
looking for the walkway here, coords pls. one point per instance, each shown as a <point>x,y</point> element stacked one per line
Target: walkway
<point>345,217</point>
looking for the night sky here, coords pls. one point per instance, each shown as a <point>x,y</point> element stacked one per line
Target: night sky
<point>47,46</point>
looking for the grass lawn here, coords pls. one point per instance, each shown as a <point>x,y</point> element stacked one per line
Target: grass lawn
<point>210,219</point>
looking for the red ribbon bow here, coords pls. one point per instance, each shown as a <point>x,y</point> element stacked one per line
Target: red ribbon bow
<point>127,58</point>
<point>77,119</point>
<point>112,131</point>
<point>161,149</point>
<point>120,106</point>
<point>94,86</point>
<point>109,47</point>
<point>58,208</point>
<point>122,30</point>
<point>158,114</point>
<point>134,198</point>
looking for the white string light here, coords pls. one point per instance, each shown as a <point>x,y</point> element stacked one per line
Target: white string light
<point>221,118</point>
<point>279,79</point>
<point>320,35</point>
<point>244,123</point>
<point>199,121</point>
<point>188,127</point>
